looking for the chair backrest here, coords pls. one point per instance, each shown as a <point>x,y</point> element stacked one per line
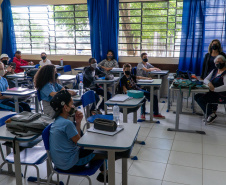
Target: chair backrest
<point>67,68</point>
<point>134,71</point>
<point>39,95</point>
<point>3,119</point>
<point>45,136</point>
<point>37,65</point>
<point>88,98</point>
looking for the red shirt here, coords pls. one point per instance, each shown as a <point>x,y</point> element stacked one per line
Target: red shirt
<point>19,62</point>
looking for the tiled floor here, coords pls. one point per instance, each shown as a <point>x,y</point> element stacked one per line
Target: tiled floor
<point>168,158</point>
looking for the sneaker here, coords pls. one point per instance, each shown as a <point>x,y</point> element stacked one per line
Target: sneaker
<point>100,177</point>
<point>211,118</point>
<point>159,116</point>
<point>142,116</point>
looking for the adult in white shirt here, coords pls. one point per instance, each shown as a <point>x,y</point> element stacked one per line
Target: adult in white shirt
<point>44,60</point>
<point>216,81</point>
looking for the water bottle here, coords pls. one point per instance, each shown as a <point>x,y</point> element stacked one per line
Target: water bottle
<point>61,62</point>
<point>25,74</point>
<point>116,114</point>
<point>80,88</point>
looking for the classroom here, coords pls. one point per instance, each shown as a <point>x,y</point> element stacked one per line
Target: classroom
<point>118,92</point>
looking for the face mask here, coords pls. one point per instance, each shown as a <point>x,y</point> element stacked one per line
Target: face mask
<point>110,57</point>
<point>220,65</point>
<point>72,111</point>
<point>5,62</point>
<point>127,72</point>
<point>56,76</point>
<point>94,65</point>
<point>43,58</point>
<point>145,60</point>
<point>215,47</point>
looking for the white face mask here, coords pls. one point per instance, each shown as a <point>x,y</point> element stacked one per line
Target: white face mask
<point>94,65</point>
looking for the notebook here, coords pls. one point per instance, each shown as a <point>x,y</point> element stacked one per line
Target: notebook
<point>148,81</point>
<point>17,89</point>
<point>119,128</point>
<point>120,98</point>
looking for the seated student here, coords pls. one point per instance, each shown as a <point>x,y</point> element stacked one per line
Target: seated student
<point>64,135</point>
<point>90,74</point>
<point>10,70</point>
<point>129,82</point>
<point>4,67</point>
<point>216,81</point>
<point>20,62</point>
<point>44,60</point>
<point>143,68</point>
<point>109,63</point>
<point>45,82</point>
<point>7,102</point>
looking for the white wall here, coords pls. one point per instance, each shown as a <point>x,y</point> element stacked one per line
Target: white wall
<point>156,60</point>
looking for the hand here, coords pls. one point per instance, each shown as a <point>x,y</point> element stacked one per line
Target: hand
<point>211,87</point>
<point>149,78</point>
<point>73,93</point>
<point>9,69</point>
<point>31,63</point>
<point>108,68</point>
<point>157,69</point>
<point>78,117</point>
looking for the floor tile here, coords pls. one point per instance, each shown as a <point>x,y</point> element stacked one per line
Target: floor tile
<point>144,131</point>
<point>184,175</point>
<point>147,169</point>
<point>185,159</point>
<point>214,163</point>
<point>171,183</point>
<point>214,139</point>
<point>159,143</point>
<point>189,137</point>
<point>134,180</point>
<point>183,146</point>
<point>161,133</point>
<point>154,155</point>
<point>216,150</point>
<point>214,177</point>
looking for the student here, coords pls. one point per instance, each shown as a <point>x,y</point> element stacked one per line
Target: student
<point>45,82</point>
<point>216,81</point>
<point>129,82</point>
<point>64,135</point>
<point>90,74</point>
<point>9,71</point>
<point>7,102</point>
<point>20,62</point>
<point>109,63</point>
<point>143,68</point>
<point>44,60</point>
<point>214,50</point>
<point>4,67</point>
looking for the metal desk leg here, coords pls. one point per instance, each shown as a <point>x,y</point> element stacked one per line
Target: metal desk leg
<point>159,76</point>
<point>111,167</point>
<point>124,115</point>
<point>124,172</point>
<point>135,117</point>
<point>17,164</point>
<point>16,104</point>
<point>105,97</point>
<point>8,151</point>
<point>36,103</point>
<point>16,80</point>
<point>168,106</point>
<point>151,104</point>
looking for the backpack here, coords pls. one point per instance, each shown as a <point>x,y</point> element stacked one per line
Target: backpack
<point>184,83</point>
<point>26,122</point>
<point>31,73</point>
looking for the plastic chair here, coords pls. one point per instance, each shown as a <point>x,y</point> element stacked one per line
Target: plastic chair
<point>88,99</point>
<point>134,71</point>
<point>67,68</point>
<point>37,65</point>
<point>29,156</point>
<point>88,171</point>
<point>40,101</point>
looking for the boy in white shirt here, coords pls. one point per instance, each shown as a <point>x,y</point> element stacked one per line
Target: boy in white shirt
<point>44,60</point>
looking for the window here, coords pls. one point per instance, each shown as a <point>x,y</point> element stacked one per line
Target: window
<point>153,27</point>
<point>56,29</point>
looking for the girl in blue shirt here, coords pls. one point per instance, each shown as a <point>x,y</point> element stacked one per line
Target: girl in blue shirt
<point>45,81</point>
<point>7,102</point>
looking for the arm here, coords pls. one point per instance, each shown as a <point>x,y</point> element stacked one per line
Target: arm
<point>78,119</point>
<point>101,65</point>
<point>99,73</point>
<point>115,64</point>
<point>18,63</point>
<point>221,88</point>
<point>207,79</point>
<point>145,78</point>
<point>124,89</point>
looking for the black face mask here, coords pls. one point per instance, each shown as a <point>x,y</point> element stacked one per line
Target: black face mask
<point>72,111</point>
<point>145,60</point>
<point>110,57</point>
<point>43,58</point>
<point>220,65</point>
<point>56,76</point>
<point>215,47</point>
<point>127,72</point>
<point>5,62</point>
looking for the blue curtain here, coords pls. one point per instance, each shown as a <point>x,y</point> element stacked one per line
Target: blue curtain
<point>202,21</point>
<point>9,40</point>
<point>104,25</point>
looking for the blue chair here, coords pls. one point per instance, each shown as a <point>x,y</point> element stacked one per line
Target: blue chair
<point>88,99</point>
<point>88,171</point>
<point>40,101</point>
<point>29,156</point>
<point>134,71</point>
<point>67,68</point>
<point>37,65</point>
